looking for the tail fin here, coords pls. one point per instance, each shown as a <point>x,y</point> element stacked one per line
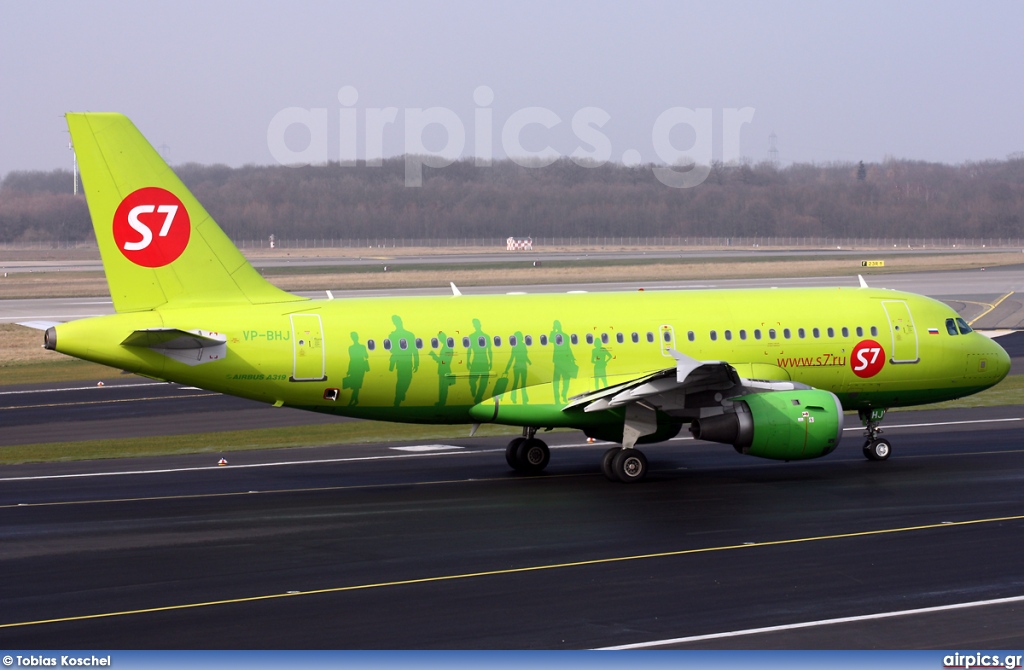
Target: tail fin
<point>157,242</point>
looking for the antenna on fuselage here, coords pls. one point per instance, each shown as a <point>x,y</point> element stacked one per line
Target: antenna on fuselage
<point>455,289</point>
<point>863,284</point>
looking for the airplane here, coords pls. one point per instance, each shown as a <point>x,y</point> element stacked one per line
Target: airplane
<point>769,371</point>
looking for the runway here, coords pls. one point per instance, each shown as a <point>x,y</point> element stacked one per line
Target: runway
<point>969,291</point>
<point>377,547</point>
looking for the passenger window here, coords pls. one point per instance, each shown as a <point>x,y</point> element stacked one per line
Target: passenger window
<point>964,328</point>
<point>543,340</point>
<point>951,327</point>
<point>800,333</point>
<point>465,343</point>
<point>743,334</point>
<point>620,338</point>
<point>636,337</point>
<point>874,331</point>
<point>728,334</point>
<point>650,336</point>
<point>387,344</point>
<point>831,332</point>
<point>403,344</point>
<point>590,338</point>
<point>816,333</point>
<point>558,338</point>
<point>714,336</point>
<point>371,345</point>
<point>481,342</point>
<point>785,333</point>
<point>757,333</point>
<point>450,342</point>
<point>419,342</point>
<point>667,336</point>
<point>604,338</point>
<point>574,339</point>
<point>434,343</point>
<point>860,332</point>
<point>690,336</point>
<point>497,340</point>
<point>512,340</point>
<point>846,331</point>
<point>528,339</point>
<point>771,333</point>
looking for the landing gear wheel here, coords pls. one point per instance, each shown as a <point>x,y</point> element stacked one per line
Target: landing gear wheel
<point>877,450</point>
<point>629,465</point>
<point>512,452</point>
<point>606,463</point>
<point>532,456</point>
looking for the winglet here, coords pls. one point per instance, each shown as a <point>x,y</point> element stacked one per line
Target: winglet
<point>455,289</point>
<point>863,284</point>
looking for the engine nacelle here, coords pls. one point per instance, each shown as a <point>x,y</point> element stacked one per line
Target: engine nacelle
<point>784,425</point>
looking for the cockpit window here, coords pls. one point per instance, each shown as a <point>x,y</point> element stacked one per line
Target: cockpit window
<point>964,328</point>
<point>951,326</point>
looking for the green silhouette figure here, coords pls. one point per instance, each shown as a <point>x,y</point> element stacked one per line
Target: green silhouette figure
<point>600,357</point>
<point>565,367</point>
<point>358,366</point>
<point>405,358</point>
<point>518,361</point>
<point>479,359</point>
<point>444,369</point>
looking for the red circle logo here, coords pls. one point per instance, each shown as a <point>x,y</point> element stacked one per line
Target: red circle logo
<point>151,227</point>
<point>867,358</point>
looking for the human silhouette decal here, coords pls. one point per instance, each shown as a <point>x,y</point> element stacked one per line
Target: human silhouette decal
<point>479,359</point>
<point>600,357</point>
<point>405,358</point>
<point>358,366</point>
<point>565,367</point>
<point>518,362</point>
<point>443,358</point>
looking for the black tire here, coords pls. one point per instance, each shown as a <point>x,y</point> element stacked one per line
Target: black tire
<point>629,465</point>
<point>606,463</point>
<point>533,456</point>
<point>512,453</point>
<point>878,450</point>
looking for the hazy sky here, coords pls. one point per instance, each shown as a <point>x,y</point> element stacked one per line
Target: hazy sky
<point>935,81</point>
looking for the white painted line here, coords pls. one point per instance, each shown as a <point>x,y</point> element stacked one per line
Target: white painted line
<point>941,423</point>
<point>86,388</point>
<point>813,624</point>
<point>354,459</point>
<point>222,468</point>
<point>36,317</point>
<point>423,448</point>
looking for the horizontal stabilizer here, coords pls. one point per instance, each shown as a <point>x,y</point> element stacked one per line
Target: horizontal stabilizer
<point>40,325</point>
<point>191,347</point>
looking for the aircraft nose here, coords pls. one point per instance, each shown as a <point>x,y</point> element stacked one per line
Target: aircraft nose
<point>1001,366</point>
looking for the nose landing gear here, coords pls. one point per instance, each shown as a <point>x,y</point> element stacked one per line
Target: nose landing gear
<point>875,448</point>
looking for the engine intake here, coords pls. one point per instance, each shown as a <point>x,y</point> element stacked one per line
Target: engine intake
<point>782,425</point>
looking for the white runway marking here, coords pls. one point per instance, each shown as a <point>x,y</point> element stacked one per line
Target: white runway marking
<point>417,453</point>
<point>814,624</point>
<point>85,388</point>
<point>422,448</point>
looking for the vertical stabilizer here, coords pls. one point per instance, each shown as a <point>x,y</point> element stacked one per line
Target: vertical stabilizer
<point>158,244</point>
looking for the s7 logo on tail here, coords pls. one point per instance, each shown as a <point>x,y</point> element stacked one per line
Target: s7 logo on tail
<point>151,227</point>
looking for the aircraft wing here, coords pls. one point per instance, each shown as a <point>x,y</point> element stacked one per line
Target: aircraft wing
<point>681,392</point>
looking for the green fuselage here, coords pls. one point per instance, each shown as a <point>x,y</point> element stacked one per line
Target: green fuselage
<point>433,359</point>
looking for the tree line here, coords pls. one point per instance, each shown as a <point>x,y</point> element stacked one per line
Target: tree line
<point>894,198</point>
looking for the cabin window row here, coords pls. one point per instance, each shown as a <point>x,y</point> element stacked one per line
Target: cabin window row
<point>787,333</point>
<point>482,342</point>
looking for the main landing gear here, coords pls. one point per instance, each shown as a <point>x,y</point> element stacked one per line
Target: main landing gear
<point>527,454</point>
<point>624,465</point>
<point>875,448</point>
